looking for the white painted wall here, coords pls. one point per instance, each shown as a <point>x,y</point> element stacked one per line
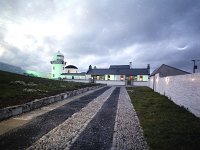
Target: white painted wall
<point>71,70</point>
<point>88,76</point>
<point>184,90</point>
<point>144,77</point>
<point>73,77</point>
<point>57,70</point>
<point>111,82</point>
<point>117,77</point>
<point>135,83</point>
<point>112,77</point>
<point>108,82</point>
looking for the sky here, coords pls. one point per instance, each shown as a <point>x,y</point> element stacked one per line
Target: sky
<point>100,33</point>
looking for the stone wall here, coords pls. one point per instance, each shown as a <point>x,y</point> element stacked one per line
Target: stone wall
<point>37,103</point>
<point>184,90</point>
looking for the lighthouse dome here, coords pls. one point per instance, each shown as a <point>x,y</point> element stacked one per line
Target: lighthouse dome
<point>58,56</point>
<point>71,67</point>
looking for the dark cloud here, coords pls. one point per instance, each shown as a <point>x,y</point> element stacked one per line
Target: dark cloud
<point>100,32</point>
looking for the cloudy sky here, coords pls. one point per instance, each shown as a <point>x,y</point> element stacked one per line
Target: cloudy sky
<point>100,32</point>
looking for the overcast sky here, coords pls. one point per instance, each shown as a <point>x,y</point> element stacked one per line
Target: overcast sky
<point>100,32</point>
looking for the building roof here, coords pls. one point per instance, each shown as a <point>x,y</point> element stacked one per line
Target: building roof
<point>118,71</point>
<point>119,67</point>
<point>71,67</point>
<point>165,70</point>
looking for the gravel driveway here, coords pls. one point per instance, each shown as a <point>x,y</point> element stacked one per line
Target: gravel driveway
<point>103,119</point>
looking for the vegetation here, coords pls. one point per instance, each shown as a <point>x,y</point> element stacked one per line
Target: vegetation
<point>17,89</point>
<point>165,124</point>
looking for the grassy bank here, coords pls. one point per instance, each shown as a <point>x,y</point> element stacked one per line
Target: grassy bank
<point>166,125</point>
<point>18,89</point>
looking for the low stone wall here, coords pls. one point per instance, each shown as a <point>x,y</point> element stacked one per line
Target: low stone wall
<point>37,103</point>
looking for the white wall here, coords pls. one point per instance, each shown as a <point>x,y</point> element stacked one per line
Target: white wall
<point>57,70</point>
<point>110,82</point>
<point>184,90</point>
<point>135,83</point>
<point>71,70</point>
<point>117,77</point>
<point>88,76</point>
<point>76,77</point>
<point>112,77</point>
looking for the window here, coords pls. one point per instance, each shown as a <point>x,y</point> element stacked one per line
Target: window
<point>63,68</point>
<point>53,67</point>
<point>131,78</point>
<point>121,77</point>
<point>97,77</point>
<point>108,77</point>
<point>53,75</point>
<point>141,78</point>
<point>68,71</point>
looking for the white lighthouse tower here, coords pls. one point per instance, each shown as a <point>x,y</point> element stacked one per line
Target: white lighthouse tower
<point>58,65</point>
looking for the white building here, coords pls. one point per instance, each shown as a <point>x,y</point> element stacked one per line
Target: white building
<point>120,75</point>
<point>71,73</point>
<point>60,71</point>
<point>114,75</point>
<point>58,65</point>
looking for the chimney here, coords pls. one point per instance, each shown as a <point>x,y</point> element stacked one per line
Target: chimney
<point>90,67</point>
<point>148,67</point>
<point>130,64</point>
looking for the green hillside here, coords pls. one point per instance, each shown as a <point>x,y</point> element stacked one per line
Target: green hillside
<point>17,89</point>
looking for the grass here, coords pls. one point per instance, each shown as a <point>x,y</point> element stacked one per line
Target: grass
<point>166,125</point>
<point>17,89</point>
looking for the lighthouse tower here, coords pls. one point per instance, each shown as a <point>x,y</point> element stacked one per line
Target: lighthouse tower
<point>58,65</point>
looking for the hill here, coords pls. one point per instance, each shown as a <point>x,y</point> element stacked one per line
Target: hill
<point>17,89</point>
<point>11,68</point>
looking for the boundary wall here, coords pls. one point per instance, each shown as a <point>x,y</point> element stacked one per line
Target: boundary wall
<point>184,90</point>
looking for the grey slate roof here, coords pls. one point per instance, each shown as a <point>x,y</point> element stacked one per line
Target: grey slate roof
<point>119,67</point>
<point>118,71</point>
<point>165,70</point>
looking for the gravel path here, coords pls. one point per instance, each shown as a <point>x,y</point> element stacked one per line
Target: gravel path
<point>103,119</point>
<point>66,133</point>
<point>26,135</point>
<point>128,133</point>
<point>99,132</point>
